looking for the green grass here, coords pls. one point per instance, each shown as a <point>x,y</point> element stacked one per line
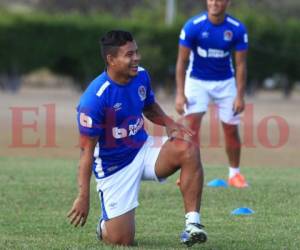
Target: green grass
<point>37,193</point>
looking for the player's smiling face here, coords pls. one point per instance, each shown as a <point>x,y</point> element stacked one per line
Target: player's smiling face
<point>127,60</point>
<point>217,7</point>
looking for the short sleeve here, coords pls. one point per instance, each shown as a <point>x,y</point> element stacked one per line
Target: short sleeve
<point>90,115</point>
<point>242,39</point>
<point>187,35</point>
<point>150,98</point>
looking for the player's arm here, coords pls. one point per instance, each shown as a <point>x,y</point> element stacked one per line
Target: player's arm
<point>181,65</point>
<point>155,114</point>
<point>80,209</point>
<point>241,76</point>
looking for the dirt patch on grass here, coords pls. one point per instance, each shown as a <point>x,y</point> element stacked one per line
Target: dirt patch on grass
<point>271,132</point>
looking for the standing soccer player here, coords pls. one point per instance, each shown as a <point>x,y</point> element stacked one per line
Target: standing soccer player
<point>205,72</point>
<point>115,146</point>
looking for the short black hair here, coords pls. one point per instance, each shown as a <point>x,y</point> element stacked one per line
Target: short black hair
<point>112,40</point>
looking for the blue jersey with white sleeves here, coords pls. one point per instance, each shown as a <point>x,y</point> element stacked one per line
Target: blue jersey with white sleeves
<point>114,113</point>
<point>211,46</point>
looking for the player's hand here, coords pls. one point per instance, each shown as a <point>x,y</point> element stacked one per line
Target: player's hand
<point>180,101</point>
<point>79,211</point>
<point>177,130</point>
<point>238,105</point>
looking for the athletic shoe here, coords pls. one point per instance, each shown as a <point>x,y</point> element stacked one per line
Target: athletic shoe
<point>99,230</point>
<point>238,181</point>
<point>193,233</point>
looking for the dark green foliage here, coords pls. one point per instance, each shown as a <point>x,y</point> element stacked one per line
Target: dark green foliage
<point>68,44</point>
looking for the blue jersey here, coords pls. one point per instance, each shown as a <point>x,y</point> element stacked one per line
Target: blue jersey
<point>114,113</point>
<point>211,46</point>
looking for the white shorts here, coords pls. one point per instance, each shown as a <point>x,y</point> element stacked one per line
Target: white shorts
<point>223,93</point>
<point>119,192</point>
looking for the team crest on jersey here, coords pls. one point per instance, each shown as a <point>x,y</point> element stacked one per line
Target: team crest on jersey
<point>142,92</point>
<point>205,34</point>
<point>228,35</point>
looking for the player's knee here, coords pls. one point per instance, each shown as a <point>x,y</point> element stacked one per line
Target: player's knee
<point>232,136</point>
<point>191,152</point>
<point>185,150</point>
<point>120,240</point>
<point>125,242</point>
<point>231,130</point>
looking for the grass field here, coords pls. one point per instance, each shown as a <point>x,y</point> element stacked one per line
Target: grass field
<point>37,193</point>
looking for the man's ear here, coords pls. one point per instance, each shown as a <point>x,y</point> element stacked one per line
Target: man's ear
<point>110,60</point>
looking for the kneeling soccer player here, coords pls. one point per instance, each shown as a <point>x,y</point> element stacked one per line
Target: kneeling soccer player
<point>115,146</point>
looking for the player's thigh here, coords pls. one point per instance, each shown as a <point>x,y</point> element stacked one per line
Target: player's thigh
<point>223,89</point>
<point>153,147</point>
<point>224,95</point>
<point>160,159</point>
<point>121,229</point>
<point>197,96</point>
<point>118,192</point>
<point>172,155</point>
<point>226,111</point>
<point>193,120</point>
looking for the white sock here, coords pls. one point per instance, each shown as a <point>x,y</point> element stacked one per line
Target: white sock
<point>233,171</point>
<point>192,217</point>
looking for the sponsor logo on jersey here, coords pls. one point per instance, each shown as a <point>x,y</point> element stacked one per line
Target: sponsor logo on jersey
<point>212,53</point>
<point>245,38</point>
<point>85,120</point>
<point>217,53</point>
<point>201,52</point>
<point>228,35</point>
<point>119,133</point>
<point>142,92</point>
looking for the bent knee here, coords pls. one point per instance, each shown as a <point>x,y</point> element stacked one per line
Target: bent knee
<point>118,238</point>
<point>121,240</point>
<point>185,149</point>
